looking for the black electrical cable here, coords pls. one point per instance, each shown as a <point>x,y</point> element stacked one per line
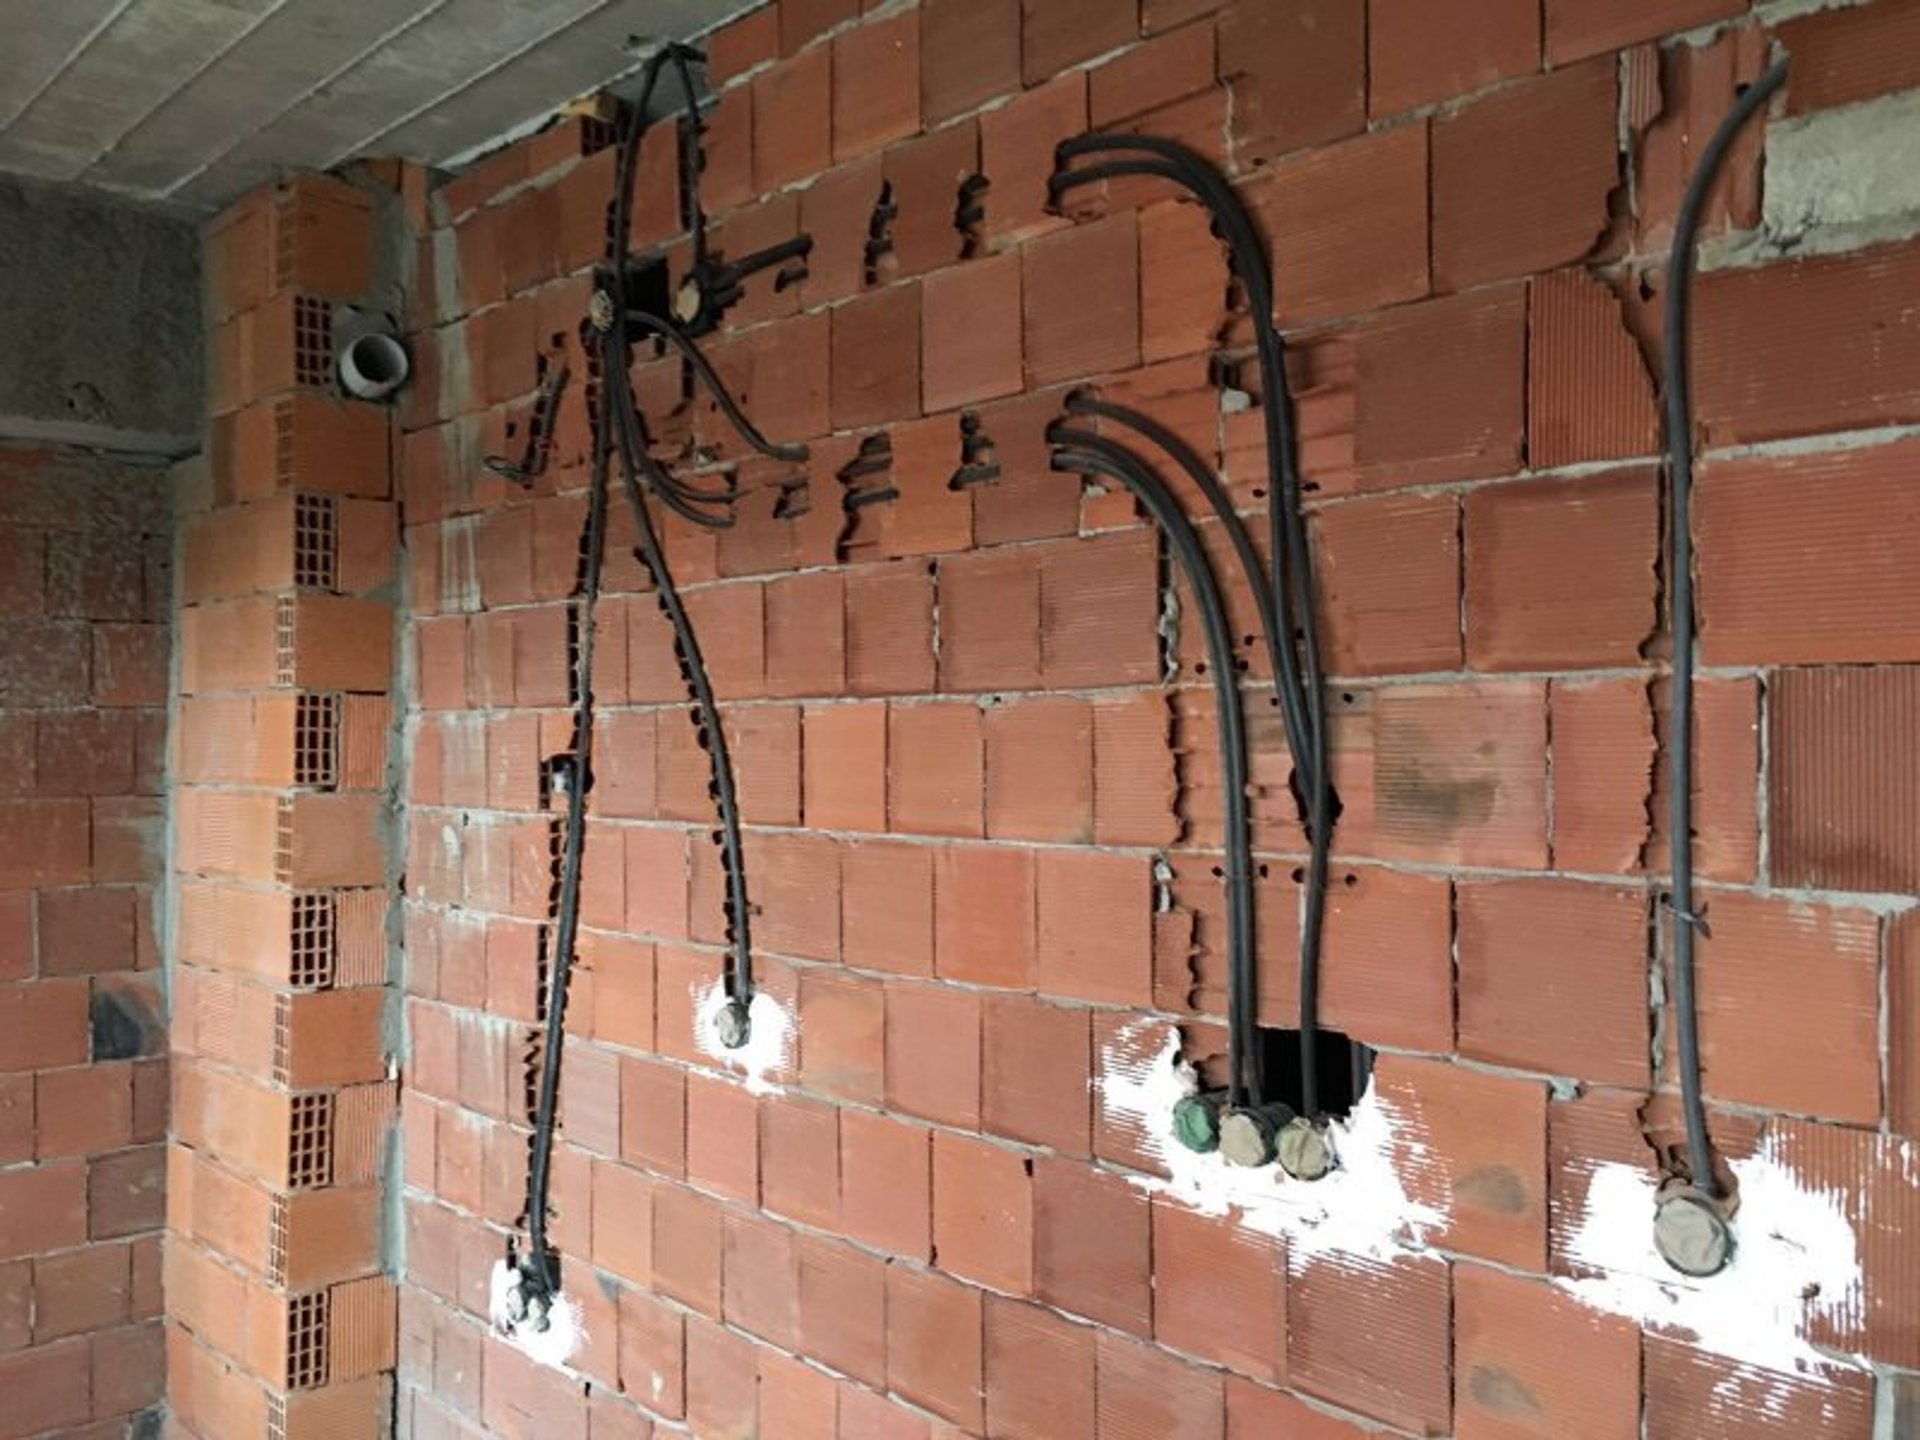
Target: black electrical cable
<point>1293,584</point>
<point>703,367</point>
<point>540,1280</point>
<point>537,1270</point>
<point>1086,453</point>
<point>1679,407</point>
<point>635,460</point>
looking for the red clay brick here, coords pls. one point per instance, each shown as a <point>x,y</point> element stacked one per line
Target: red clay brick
<point>1099,612</point>
<point>971,333</point>
<point>1095,926</point>
<point>1589,395</point>
<point>48,1387</point>
<point>1844,57</point>
<point>984,915</point>
<point>1511,1339</point>
<point>45,1209</point>
<point>836,210</point>
<point>1219,1291</point>
<point>1058,34</point>
<point>1794,563</point>
<point>1674,98</point>
<point>846,766</point>
<point>1603,746</point>
<point>935,761</point>
<point>1039,770</point>
<point>844,1020</point>
<point>1835,320</point>
<point>886,1184</point>
<point>1455,774</point>
<point>935,1344</point>
<point>1039,1374</point>
<point>876,358</point>
<point>1690,1391</point>
<point>1144,1391</point>
<point>990,621</point>
<point>927,177</point>
<point>1373,1337</point>
<point>803,20</point>
<point>1415,58</point>
<point>806,636</point>
<point>1414,427</point>
<point>1789,1007</point>
<point>843,1308</point>
<point>1591,1020</point>
<point>1348,225</point>
<point>1017,154</point>
<point>1521,179</point>
<point>876,84</point>
<point>1476,1149</point>
<point>1842,787</point>
<point>687,1248</point>
<point>983,1212</point>
<point>970,53</point>
<point>798,892</point>
<point>792,121</point>
<point>1038,1073</point>
<point>1169,67</point>
<point>1562,573</point>
<point>887,907</point>
<point>743,44</point>
<point>1389,576</point>
<point>43,1023</point>
<point>934,1053</point>
<point>1080,294</point>
<point>1578,28</point>
<point>1299,75</point>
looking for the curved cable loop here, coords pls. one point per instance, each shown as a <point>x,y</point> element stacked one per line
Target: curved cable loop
<point>1086,453</point>
<point>739,972</point>
<point>748,431</point>
<point>1679,418</point>
<point>1293,578</point>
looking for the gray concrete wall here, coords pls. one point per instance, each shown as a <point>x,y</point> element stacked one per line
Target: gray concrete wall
<point>100,328</point>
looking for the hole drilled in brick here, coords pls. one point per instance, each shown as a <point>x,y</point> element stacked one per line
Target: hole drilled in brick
<point>1341,1064</point>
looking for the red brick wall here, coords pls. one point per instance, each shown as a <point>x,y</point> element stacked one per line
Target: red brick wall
<point>86,564</point>
<point>979,816</point>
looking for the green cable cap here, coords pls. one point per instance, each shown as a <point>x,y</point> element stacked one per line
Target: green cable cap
<point>1196,1123</point>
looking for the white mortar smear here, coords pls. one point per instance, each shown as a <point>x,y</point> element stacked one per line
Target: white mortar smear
<point>769,1047</point>
<point>1795,1258</point>
<point>1361,1208</point>
<point>554,1346</point>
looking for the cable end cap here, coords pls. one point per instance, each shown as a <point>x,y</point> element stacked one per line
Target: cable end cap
<point>1196,1122</point>
<point>1306,1150</point>
<point>1692,1233</point>
<point>1250,1137</point>
<point>734,1025</point>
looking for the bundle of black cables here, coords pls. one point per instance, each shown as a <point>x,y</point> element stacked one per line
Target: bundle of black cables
<point>1288,609</point>
<point>620,434</point>
<point>1692,1232</point>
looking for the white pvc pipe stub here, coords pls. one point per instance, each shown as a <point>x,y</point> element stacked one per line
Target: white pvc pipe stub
<point>373,366</point>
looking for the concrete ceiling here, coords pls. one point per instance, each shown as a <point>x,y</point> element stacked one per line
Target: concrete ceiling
<point>191,102</point>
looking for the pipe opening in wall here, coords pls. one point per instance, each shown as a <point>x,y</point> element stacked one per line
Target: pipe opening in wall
<point>1342,1066</point>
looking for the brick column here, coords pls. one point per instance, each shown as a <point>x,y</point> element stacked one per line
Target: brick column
<point>282,1318</point>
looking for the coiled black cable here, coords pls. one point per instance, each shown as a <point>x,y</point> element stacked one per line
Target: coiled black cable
<point>539,1267</point>
<point>1299,677</point>
<point>1679,417</point>
<point>618,425</point>
<point>1086,453</point>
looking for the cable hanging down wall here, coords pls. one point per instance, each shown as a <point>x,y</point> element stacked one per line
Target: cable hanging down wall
<point>530,1290</point>
<point>1287,612</point>
<point>1692,1227</point>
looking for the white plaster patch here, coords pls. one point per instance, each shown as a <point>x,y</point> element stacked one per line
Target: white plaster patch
<point>1362,1208</point>
<point>554,1346</point>
<point>1795,1258</point>
<point>769,1048</point>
